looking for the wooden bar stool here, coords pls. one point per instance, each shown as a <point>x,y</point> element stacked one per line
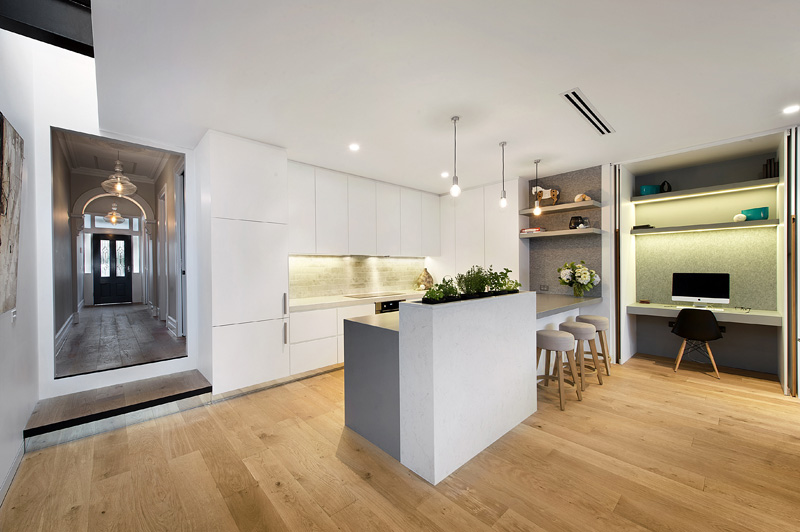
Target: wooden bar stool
<point>583,332</point>
<point>563,344</point>
<point>601,324</point>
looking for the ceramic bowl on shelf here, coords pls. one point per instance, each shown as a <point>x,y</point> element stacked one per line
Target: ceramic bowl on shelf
<point>646,190</point>
<point>760,213</point>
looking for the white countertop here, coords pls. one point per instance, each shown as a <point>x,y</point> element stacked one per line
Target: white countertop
<point>727,315</point>
<point>550,304</point>
<point>319,303</point>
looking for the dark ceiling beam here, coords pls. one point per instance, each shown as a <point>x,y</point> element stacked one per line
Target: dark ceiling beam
<point>63,23</point>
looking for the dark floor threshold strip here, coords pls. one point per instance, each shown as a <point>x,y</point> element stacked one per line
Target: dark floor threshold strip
<point>52,427</point>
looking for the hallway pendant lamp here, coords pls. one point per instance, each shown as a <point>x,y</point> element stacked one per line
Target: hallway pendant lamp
<point>536,209</point>
<point>455,190</point>
<point>117,183</point>
<point>113,217</point>
<point>503,200</point>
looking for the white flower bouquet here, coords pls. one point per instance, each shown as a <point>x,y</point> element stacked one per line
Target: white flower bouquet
<point>579,277</point>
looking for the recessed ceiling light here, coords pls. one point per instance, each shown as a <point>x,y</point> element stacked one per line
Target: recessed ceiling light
<point>354,147</point>
<point>791,109</point>
<point>445,174</point>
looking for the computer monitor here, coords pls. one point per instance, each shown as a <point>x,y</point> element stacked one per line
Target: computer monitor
<point>702,288</point>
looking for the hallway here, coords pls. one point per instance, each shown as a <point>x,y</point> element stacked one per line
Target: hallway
<point>116,336</point>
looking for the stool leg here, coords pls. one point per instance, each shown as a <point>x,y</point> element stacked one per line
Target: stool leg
<point>575,381</point>
<point>579,356</point>
<point>593,349</point>
<point>547,368</point>
<point>538,359</point>
<point>680,355</point>
<point>712,359</point>
<point>560,370</point>
<point>604,346</point>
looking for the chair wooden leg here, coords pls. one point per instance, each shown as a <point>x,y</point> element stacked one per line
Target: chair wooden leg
<point>604,346</point>
<point>593,349</point>
<point>680,355</point>
<point>560,370</point>
<point>574,371</point>
<point>712,360</point>
<point>547,369</point>
<point>579,356</point>
<point>538,360</point>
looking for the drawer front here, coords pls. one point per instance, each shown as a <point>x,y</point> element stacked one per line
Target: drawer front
<point>355,311</point>
<point>312,325</point>
<point>314,354</point>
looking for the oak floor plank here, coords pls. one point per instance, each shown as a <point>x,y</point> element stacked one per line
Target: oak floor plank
<point>109,508</point>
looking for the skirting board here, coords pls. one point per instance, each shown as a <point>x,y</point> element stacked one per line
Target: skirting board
<point>172,326</point>
<point>61,335</point>
<point>12,471</point>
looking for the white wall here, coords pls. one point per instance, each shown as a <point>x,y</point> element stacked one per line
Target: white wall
<point>18,380</point>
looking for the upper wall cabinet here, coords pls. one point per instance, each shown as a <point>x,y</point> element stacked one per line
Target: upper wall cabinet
<point>388,223</point>
<point>410,222</point>
<point>362,214</point>
<point>248,180</point>
<point>332,213</point>
<point>302,209</point>
<point>431,236</point>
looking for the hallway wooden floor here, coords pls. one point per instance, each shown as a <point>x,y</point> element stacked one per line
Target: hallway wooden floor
<point>649,450</point>
<point>116,336</point>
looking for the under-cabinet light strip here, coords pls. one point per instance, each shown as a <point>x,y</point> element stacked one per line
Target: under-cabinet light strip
<point>705,230</point>
<point>699,194</point>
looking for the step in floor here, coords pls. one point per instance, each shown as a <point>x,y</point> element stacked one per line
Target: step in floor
<point>69,417</point>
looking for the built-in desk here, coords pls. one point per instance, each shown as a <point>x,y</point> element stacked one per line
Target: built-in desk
<point>727,315</point>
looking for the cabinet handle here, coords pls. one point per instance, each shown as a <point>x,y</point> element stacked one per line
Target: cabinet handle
<point>285,303</point>
<point>285,333</point>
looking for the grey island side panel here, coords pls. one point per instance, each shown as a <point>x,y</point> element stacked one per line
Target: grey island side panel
<point>372,380</point>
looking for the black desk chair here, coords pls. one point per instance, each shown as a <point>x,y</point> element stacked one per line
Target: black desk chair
<point>697,327</point>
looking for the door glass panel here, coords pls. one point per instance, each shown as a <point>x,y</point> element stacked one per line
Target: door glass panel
<point>105,259</point>
<point>120,258</point>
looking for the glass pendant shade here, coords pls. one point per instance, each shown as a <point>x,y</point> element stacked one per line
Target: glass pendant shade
<point>503,200</point>
<point>113,217</point>
<point>536,209</point>
<point>455,190</point>
<point>117,183</point>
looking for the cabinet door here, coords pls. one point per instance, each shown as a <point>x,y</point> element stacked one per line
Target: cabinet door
<point>313,325</point>
<point>361,216</point>
<point>302,208</point>
<point>258,169</point>
<point>354,311</point>
<point>410,222</point>
<point>501,240</point>
<point>469,229</point>
<point>331,209</point>
<point>388,223</point>
<point>246,354</point>
<point>249,271</point>
<point>313,355</point>
<point>431,236</point>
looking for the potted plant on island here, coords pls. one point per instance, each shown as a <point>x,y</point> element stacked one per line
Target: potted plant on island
<point>473,283</point>
<point>443,292</point>
<point>500,283</point>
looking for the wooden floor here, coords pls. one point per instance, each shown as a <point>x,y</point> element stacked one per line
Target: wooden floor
<point>116,336</point>
<point>649,450</point>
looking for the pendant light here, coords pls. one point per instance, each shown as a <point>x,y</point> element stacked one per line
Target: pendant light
<point>113,217</point>
<point>503,200</point>
<point>117,183</point>
<point>455,190</point>
<point>536,209</point>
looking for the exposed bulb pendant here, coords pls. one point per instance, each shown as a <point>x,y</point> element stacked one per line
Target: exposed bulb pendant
<point>455,190</point>
<point>113,217</point>
<point>117,183</point>
<point>503,200</point>
<point>536,209</point>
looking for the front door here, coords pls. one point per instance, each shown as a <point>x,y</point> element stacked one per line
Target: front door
<point>111,265</point>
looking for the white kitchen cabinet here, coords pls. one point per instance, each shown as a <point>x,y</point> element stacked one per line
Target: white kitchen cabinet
<point>255,168</point>
<point>249,353</point>
<point>302,208</point>
<point>314,354</point>
<point>331,213</point>
<point>501,237</point>
<point>410,222</point>
<point>388,219</point>
<point>249,271</point>
<point>469,248</point>
<point>362,210</point>
<point>313,325</point>
<point>431,245</point>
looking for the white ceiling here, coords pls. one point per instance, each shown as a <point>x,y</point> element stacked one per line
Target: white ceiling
<point>315,76</point>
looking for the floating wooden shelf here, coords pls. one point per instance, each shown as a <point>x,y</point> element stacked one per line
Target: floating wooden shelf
<point>707,191</point>
<point>565,207</point>
<point>706,227</point>
<point>568,232</point>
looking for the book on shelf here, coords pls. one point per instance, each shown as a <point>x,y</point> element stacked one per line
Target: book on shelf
<point>531,230</point>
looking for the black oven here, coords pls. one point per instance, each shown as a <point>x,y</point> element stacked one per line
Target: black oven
<point>387,306</point>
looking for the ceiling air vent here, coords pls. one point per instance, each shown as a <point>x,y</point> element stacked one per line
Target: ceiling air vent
<point>579,101</point>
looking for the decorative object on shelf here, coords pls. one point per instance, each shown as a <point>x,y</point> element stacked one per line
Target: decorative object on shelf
<point>759,213</point>
<point>536,209</point>
<point>424,281</point>
<point>455,190</point>
<point>578,222</point>
<point>531,230</point>
<point>113,217</point>
<point>540,193</point>
<point>643,226</point>
<point>771,168</point>
<point>646,190</point>
<point>579,277</point>
<point>739,217</point>
<point>665,186</point>
<point>503,200</point>
<point>582,197</point>
<point>117,183</point>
